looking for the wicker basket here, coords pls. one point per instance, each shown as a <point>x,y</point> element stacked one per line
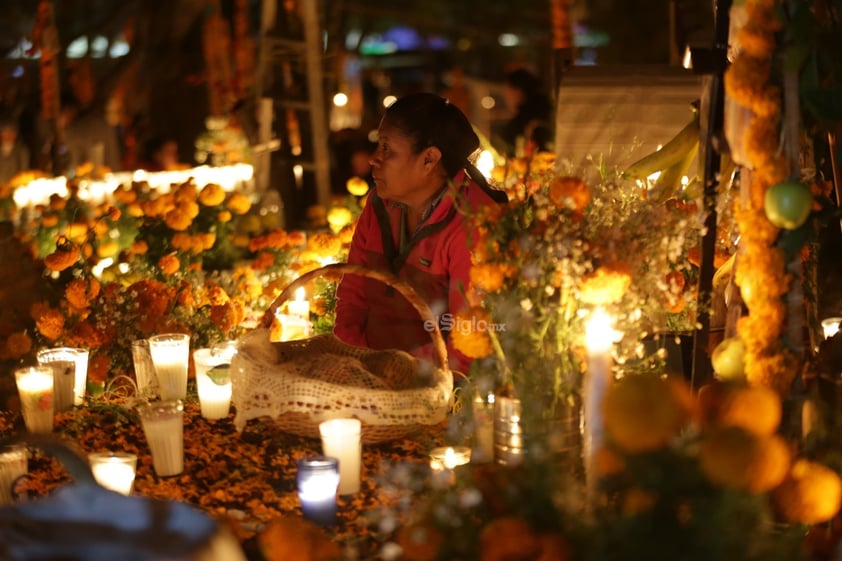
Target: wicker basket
<point>302,383</point>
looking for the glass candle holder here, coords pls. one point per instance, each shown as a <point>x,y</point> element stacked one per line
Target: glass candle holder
<point>70,372</point>
<point>35,387</point>
<point>213,382</point>
<point>114,470</point>
<point>163,426</point>
<point>14,463</point>
<point>318,482</point>
<point>171,355</point>
<point>144,369</point>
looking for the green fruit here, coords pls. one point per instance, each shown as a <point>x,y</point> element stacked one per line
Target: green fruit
<point>728,359</point>
<point>788,204</point>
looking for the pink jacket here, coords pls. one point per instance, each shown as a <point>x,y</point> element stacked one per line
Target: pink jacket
<point>437,264</point>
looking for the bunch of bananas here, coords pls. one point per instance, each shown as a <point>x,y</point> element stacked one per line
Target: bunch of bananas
<point>672,160</point>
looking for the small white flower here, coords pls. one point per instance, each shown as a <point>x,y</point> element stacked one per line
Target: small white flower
<point>526,304</point>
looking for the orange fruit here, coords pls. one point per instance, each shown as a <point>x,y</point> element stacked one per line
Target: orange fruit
<point>734,457</point>
<point>754,408</point>
<point>643,413</point>
<point>811,493</point>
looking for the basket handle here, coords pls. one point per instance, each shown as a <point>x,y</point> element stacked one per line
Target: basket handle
<point>335,271</point>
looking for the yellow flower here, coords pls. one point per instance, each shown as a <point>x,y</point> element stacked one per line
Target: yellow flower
<point>224,216</point>
<point>733,457</point>
<point>169,264</point>
<point>811,494</point>
<point>182,241</point>
<point>62,259</point>
<point>212,195</point>
<point>239,204</point>
<point>178,220</point>
<point>606,285</point>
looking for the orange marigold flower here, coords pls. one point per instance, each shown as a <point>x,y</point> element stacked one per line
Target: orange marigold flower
<point>276,238</point>
<point>80,292</point>
<point>17,345</point>
<point>98,367</point>
<point>296,238</point>
<point>263,261</point>
<point>186,192</point>
<point>135,210</point>
<point>487,276</point>
<point>570,192</point>
<point>139,247</point>
<point>227,316</point>
<point>182,241</point>
<point>212,195</point>
<point>124,194</point>
<point>224,216</point>
<point>38,309</point>
<point>169,264</point>
<point>49,220</point>
<point>239,204</point>
<point>324,244</point>
<point>606,285</point>
<point>178,220</point>
<point>469,333</point>
<point>50,324</point>
<point>206,240</point>
<point>57,202</point>
<point>62,259</point>
<point>216,295</point>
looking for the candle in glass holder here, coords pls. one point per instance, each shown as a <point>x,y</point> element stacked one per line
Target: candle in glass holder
<point>70,372</point>
<point>599,340</point>
<point>290,328</point>
<point>171,355</point>
<point>35,387</point>
<point>114,470</point>
<point>483,410</point>
<point>830,326</point>
<point>213,382</point>
<point>318,481</point>
<point>448,457</point>
<point>299,307</point>
<point>341,439</point>
<point>14,463</point>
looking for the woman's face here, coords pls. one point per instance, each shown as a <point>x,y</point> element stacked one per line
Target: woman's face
<point>397,171</point>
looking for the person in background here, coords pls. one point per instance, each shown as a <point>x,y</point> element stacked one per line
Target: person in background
<point>88,136</point>
<point>529,129</point>
<point>411,226</point>
<point>14,156</point>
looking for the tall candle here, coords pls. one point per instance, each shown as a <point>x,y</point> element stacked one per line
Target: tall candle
<point>213,382</point>
<point>599,339</point>
<point>300,306</point>
<point>341,439</point>
<point>171,355</point>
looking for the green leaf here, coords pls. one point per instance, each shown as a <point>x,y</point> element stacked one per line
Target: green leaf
<point>220,374</point>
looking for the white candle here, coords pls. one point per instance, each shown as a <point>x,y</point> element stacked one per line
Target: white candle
<point>292,328</point>
<point>318,480</point>
<point>830,326</point>
<point>70,372</point>
<point>299,307</point>
<point>213,382</point>
<point>170,355</point>
<point>14,462</point>
<point>114,470</point>
<point>448,457</point>
<point>35,388</point>
<point>341,439</point>
<point>599,339</point>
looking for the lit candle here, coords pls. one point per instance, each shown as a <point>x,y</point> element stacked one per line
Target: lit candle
<point>171,355</point>
<point>599,339</point>
<point>289,328</point>
<point>341,439</point>
<point>35,388</point>
<point>830,326</point>
<point>448,457</point>
<point>114,470</point>
<point>300,306</point>
<point>318,480</point>
<point>213,382</point>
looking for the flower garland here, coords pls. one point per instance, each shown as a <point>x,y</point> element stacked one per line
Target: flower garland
<point>761,276</point>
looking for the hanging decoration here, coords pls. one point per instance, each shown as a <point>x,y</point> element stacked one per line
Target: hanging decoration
<point>762,275</point>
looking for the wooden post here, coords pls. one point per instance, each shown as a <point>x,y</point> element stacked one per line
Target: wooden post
<point>318,105</point>
<point>712,107</point>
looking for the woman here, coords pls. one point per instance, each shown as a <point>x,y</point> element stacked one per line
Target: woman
<point>411,227</point>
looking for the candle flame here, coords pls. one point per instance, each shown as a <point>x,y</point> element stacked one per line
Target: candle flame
<point>300,294</point>
<point>599,331</point>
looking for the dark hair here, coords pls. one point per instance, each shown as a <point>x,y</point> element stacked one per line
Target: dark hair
<point>523,80</point>
<point>430,120</point>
